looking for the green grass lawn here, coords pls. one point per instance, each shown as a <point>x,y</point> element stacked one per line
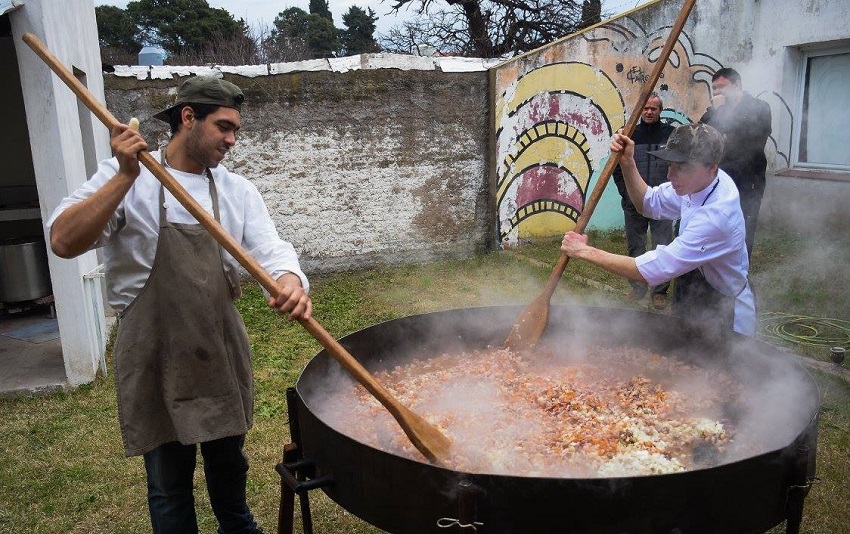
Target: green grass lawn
<point>62,467</point>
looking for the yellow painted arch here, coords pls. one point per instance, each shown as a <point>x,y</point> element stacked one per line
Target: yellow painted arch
<point>577,78</point>
<point>538,131</point>
<point>556,150</point>
<point>544,224</point>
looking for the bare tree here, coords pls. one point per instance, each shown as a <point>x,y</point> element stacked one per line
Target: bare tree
<point>490,28</point>
<point>261,44</point>
<point>111,55</point>
<point>441,30</point>
<point>284,48</point>
<point>239,49</point>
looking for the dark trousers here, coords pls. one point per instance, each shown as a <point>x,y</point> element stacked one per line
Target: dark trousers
<point>750,205</point>
<point>170,469</point>
<point>636,228</point>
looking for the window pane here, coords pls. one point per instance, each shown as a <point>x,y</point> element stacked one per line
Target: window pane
<point>827,111</point>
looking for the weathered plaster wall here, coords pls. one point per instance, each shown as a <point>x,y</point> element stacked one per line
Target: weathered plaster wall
<point>557,106</point>
<point>359,167</point>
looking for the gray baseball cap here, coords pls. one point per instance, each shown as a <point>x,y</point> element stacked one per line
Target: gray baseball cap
<point>205,90</point>
<point>692,142</point>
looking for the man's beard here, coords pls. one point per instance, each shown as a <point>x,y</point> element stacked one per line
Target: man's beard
<point>207,158</point>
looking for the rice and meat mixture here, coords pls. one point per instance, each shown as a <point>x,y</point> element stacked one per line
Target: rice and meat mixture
<point>616,412</point>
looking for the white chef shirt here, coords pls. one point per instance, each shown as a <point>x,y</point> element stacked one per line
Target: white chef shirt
<point>711,238</point>
<point>128,260</point>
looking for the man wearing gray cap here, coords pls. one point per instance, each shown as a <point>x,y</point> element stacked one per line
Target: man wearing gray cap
<point>182,356</point>
<point>708,258</point>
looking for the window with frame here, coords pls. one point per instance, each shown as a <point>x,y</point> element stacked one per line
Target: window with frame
<point>820,139</point>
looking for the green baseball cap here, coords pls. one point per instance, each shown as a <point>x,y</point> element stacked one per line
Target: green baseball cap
<point>205,90</point>
<point>692,142</point>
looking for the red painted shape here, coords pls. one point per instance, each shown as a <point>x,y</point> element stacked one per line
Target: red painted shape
<point>548,107</point>
<point>543,183</point>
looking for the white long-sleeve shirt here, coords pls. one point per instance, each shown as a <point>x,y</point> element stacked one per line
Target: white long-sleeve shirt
<point>711,238</point>
<point>130,237</point>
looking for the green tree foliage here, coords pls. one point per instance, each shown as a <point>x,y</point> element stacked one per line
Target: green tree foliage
<point>116,29</point>
<point>291,24</point>
<point>295,28</point>
<point>288,41</point>
<point>490,28</point>
<point>192,32</point>
<point>358,37</point>
<point>178,25</point>
<point>321,8</point>
<point>322,36</point>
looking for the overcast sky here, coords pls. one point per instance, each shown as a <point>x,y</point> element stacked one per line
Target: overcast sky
<point>257,12</point>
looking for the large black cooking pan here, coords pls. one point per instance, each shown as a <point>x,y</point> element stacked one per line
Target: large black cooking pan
<point>743,495</point>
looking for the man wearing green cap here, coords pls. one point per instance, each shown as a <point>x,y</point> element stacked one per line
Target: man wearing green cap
<point>708,257</point>
<point>182,355</point>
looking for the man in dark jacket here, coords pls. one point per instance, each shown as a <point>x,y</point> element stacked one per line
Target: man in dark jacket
<point>649,134</point>
<point>744,121</point>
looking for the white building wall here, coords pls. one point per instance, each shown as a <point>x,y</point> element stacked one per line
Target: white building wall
<point>69,30</point>
<point>764,41</point>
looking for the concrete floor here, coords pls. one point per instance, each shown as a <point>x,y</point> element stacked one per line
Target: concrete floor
<point>33,365</point>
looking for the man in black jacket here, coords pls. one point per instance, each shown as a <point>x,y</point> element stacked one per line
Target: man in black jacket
<point>745,123</point>
<point>649,134</point>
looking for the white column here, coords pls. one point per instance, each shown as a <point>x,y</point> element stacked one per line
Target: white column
<point>69,30</point>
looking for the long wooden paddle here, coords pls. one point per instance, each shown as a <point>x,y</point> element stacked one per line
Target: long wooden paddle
<point>424,436</point>
<point>532,322</point>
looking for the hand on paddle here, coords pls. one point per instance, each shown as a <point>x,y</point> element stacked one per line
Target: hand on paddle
<point>291,298</point>
<point>573,244</point>
<point>622,143</point>
<point>126,144</point>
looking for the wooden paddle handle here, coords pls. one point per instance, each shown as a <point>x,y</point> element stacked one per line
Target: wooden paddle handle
<point>628,129</point>
<point>208,221</point>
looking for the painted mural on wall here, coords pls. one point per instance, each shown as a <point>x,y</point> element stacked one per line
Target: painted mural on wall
<point>778,148</point>
<point>557,108</point>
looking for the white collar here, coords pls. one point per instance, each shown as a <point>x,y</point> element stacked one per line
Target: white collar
<point>700,197</point>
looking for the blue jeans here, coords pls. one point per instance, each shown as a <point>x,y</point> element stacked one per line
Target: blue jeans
<point>170,469</point>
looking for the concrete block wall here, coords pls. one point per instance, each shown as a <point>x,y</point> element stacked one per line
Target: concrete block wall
<point>358,168</point>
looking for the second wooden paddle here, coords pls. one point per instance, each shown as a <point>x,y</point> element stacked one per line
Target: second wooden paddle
<point>532,322</point>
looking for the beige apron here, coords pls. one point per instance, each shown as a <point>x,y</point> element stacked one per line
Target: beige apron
<point>182,356</point>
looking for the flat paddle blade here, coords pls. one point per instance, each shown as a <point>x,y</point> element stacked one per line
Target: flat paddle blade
<point>529,326</point>
<point>425,437</point>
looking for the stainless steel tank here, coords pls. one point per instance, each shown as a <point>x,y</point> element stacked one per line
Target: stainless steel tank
<point>24,274</point>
